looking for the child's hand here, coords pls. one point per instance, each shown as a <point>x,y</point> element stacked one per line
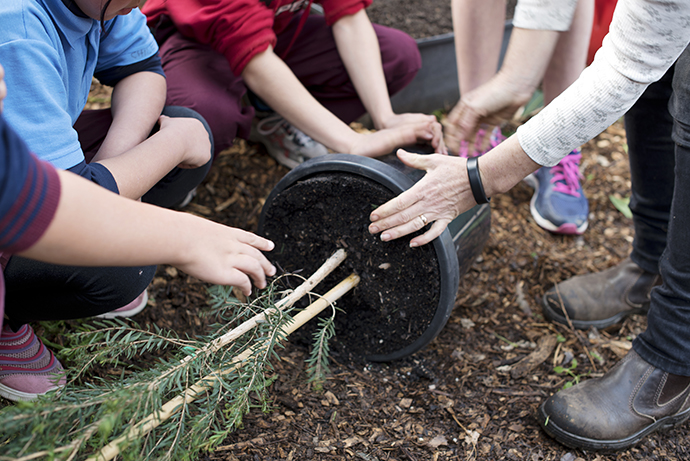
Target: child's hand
<point>193,136</point>
<point>225,256</point>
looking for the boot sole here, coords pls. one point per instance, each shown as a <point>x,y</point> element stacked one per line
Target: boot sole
<point>551,314</point>
<point>584,443</point>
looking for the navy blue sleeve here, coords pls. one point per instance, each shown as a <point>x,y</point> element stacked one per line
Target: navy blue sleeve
<point>95,172</point>
<point>113,75</point>
<point>29,193</point>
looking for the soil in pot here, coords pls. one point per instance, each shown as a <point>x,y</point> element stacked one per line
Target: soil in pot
<point>399,290</point>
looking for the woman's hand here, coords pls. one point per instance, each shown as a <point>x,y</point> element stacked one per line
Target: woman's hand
<point>488,105</point>
<point>439,197</point>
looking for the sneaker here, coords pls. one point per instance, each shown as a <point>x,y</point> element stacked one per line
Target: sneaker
<point>285,143</point>
<point>130,309</point>
<point>27,368</point>
<point>495,138</point>
<point>559,205</point>
<point>188,198</point>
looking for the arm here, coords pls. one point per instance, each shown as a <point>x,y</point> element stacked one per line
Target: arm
<point>180,141</point>
<point>93,227</point>
<point>137,101</point>
<point>478,33</point>
<point>498,99</point>
<point>631,58</point>
<point>488,99</point>
<point>358,47</point>
<point>270,78</point>
<point>570,56</point>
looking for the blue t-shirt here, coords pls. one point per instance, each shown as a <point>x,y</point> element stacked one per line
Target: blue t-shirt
<point>50,55</point>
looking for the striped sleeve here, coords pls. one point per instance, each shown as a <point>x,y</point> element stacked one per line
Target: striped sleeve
<point>29,193</point>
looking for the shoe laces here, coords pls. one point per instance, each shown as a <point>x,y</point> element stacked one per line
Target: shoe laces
<point>566,175</point>
<point>495,138</point>
<point>273,123</point>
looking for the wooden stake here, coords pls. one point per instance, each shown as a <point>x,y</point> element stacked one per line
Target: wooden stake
<point>320,274</point>
<point>152,421</point>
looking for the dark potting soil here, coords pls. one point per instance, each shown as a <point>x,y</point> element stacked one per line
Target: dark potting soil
<point>399,290</point>
<point>419,18</point>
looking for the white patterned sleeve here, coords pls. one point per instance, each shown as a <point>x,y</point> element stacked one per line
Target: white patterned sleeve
<point>544,14</point>
<point>645,39</point>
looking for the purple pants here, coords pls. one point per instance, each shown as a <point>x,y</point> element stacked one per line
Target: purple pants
<point>200,78</point>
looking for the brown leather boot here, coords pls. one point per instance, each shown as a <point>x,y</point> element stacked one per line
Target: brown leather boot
<point>619,409</point>
<point>603,298</point>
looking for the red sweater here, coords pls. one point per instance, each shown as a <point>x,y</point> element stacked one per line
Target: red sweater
<point>240,29</point>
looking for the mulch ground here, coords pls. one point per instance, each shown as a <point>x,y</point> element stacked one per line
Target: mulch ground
<point>467,395</point>
<point>464,396</point>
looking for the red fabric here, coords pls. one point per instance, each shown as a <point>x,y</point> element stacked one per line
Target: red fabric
<point>240,29</point>
<point>603,12</point>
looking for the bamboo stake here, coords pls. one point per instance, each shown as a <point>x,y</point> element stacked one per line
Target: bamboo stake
<point>152,421</point>
<point>222,341</point>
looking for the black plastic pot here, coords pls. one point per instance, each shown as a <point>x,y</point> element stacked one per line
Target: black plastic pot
<point>456,249</point>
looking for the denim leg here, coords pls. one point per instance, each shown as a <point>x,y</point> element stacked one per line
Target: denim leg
<point>666,342</point>
<point>648,127</point>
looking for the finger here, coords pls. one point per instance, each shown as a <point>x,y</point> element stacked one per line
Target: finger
<point>417,161</point>
<point>437,143</point>
<point>251,267</point>
<point>434,231</point>
<point>389,209</point>
<point>254,240</point>
<point>412,225</point>
<point>254,247</point>
<point>235,278</point>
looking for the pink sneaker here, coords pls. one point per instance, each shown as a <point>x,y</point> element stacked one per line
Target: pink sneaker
<point>130,309</point>
<point>27,368</point>
<point>495,138</point>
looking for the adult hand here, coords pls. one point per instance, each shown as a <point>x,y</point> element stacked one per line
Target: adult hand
<point>488,105</point>
<point>383,142</point>
<point>197,145</point>
<point>225,256</point>
<point>440,196</point>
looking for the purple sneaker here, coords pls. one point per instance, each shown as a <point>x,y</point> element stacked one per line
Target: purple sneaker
<point>559,205</point>
<point>495,138</point>
<point>27,368</point>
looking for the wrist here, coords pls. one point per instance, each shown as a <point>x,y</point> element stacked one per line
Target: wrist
<point>475,180</point>
<point>381,119</point>
<point>521,87</point>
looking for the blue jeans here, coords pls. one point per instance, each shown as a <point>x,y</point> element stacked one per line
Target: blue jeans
<point>666,342</point>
